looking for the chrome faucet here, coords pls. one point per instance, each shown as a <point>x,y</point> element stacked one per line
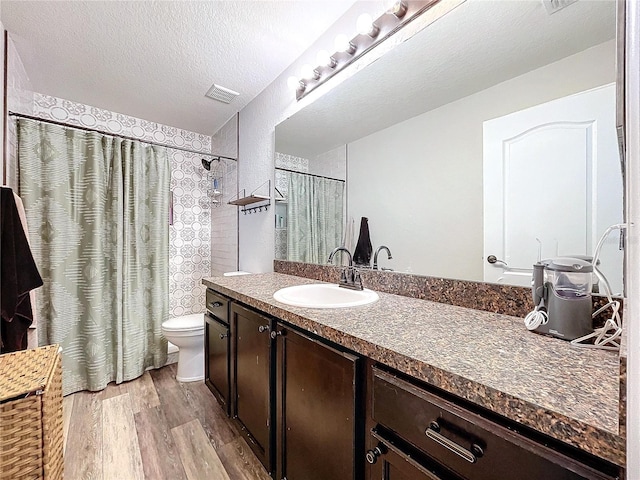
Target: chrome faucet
<point>375,256</point>
<point>350,276</point>
<point>341,249</point>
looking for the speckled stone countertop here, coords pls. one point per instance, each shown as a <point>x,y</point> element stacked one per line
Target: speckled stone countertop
<point>490,359</point>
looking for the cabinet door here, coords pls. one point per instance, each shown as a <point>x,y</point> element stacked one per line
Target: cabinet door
<point>216,364</point>
<point>317,418</point>
<point>252,392</point>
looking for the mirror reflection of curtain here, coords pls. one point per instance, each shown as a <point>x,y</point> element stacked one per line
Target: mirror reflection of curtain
<point>97,210</point>
<point>314,217</point>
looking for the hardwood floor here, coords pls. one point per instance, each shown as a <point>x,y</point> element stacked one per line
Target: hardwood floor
<point>153,428</point>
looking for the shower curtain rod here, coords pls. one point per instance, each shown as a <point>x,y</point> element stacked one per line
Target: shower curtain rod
<point>86,129</point>
<point>310,174</point>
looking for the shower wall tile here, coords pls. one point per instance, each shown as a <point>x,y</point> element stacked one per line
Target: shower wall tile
<point>190,234</point>
<point>224,217</point>
<point>291,162</point>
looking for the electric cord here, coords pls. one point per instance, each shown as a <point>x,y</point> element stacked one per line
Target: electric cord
<point>537,317</point>
<point>606,337</point>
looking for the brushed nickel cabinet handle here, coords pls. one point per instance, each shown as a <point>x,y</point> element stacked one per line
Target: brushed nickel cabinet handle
<point>432,432</point>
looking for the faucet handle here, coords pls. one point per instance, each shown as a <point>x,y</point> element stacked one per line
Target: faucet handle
<point>357,279</point>
<point>344,275</point>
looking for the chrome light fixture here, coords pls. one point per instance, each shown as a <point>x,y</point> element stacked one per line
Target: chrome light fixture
<point>371,32</point>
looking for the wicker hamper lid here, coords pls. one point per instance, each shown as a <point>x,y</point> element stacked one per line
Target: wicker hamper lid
<point>26,371</point>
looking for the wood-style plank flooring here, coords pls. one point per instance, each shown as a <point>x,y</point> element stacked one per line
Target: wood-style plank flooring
<point>153,428</point>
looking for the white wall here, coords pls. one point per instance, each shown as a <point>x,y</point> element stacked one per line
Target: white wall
<point>420,182</point>
<point>632,313</point>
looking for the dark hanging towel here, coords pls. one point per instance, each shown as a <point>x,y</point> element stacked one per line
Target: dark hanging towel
<point>18,276</point>
<point>362,253</point>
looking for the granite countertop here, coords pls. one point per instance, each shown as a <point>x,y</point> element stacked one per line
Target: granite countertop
<point>490,359</point>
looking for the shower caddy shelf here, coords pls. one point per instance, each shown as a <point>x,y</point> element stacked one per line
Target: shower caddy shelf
<point>264,200</point>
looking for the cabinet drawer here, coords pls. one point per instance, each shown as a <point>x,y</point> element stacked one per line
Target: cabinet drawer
<point>464,442</point>
<point>218,306</point>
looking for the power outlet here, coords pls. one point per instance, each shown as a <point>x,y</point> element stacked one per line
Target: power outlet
<point>553,6</point>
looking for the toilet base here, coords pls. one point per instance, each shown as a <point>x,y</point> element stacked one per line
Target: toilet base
<point>189,379</point>
<point>190,364</point>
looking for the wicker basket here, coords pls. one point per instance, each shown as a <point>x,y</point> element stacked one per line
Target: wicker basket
<point>31,414</point>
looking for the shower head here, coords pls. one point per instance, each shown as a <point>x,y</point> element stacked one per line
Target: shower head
<point>207,163</point>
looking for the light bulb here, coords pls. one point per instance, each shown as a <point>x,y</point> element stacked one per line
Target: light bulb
<point>325,59</point>
<point>293,83</point>
<point>343,44</point>
<point>307,71</point>
<point>365,26</point>
<point>398,8</point>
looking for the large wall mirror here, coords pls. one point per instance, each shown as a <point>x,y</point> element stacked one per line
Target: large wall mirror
<point>490,132</point>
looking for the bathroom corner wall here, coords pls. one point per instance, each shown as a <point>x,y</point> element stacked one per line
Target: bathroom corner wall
<point>224,217</point>
<point>19,99</point>
<point>190,234</point>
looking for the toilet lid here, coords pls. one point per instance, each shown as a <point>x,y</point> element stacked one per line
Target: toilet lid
<point>187,322</point>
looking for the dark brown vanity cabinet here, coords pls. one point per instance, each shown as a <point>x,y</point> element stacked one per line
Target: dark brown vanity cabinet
<point>318,413</point>
<point>440,439</point>
<point>301,402</point>
<point>252,379</point>
<point>216,339</point>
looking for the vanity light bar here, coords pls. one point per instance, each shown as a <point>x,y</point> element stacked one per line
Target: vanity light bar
<point>370,33</point>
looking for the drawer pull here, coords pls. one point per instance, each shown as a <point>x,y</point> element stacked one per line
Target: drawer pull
<point>433,433</point>
<point>223,336</point>
<point>215,304</point>
<point>263,328</point>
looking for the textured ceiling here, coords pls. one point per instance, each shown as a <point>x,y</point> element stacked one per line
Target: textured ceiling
<point>156,60</point>
<point>477,45</point>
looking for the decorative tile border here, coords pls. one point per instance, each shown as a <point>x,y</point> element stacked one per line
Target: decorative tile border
<point>74,113</point>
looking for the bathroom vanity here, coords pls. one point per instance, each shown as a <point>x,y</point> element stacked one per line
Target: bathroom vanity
<point>406,389</point>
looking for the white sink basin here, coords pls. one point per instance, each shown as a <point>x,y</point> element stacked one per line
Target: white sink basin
<point>324,295</point>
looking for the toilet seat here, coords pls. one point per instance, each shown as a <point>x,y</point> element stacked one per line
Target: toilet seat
<point>189,324</point>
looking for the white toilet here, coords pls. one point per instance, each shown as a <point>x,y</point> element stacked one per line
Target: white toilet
<point>187,333</point>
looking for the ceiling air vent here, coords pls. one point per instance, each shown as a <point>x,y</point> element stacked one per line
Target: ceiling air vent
<point>554,6</point>
<point>221,94</point>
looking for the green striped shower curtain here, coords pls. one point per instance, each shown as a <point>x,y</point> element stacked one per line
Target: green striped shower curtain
<point>314,217</point>
<point>97,210</point>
